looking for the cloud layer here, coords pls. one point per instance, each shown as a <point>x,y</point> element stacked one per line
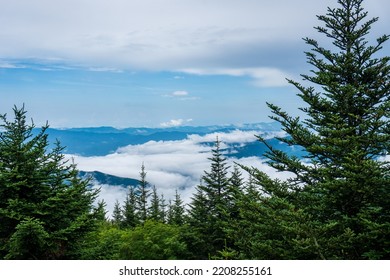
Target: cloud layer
<point>170,165</point>
<point>165,35</point>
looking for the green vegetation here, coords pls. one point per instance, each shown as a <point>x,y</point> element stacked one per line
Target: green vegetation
<point>335,205</point>
<point>45,208</point>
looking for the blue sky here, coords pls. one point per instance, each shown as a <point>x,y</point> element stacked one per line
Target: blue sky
<point>157,62</point>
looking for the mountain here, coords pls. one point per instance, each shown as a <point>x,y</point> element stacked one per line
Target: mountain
<point>99,178</point>
<point>257,149</point>
<point>100,141</point>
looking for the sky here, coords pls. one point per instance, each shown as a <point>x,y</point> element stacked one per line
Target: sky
<point>157,63</point>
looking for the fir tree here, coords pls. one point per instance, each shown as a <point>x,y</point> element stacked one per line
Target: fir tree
<point>100,211</point>
<point>198,220</point>
<point>129,212</point>
<point>212,199</point>
<point>154,212</point>
<point>337,203</point>
<point>117,218</point>
<point>163,209</point>
<point>143,193</point>
<point>176,211</point>
<point>235,190</point>
<point>40,191</point>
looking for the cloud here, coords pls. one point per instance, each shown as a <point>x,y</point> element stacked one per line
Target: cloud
<point>180,93</point>
<point>263,77</point>
<point>236,136</point>
<point>162,35</point>
<point>7,65</point>
<point>170,165</point>
<point>105,69</point>
<point>177,122</point>
<point>249,38</point>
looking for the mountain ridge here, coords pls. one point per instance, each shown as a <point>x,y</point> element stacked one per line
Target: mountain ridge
<point>100,141</point>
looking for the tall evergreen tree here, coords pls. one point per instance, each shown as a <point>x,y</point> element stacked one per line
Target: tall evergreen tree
<point>212,198</point>
<point>337,203</point>
<point>143,193</point>
<point>100,211</point>
<point>176,211</point>
<point>198,220</point>
<point>130,215</point>
<point>154,211</point>
<point>40,192</point>
<point>235,190</point>
<point>163,209</point>
<point>117,217</point>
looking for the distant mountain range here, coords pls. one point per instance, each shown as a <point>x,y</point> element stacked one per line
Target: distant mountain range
<point>100,141</point>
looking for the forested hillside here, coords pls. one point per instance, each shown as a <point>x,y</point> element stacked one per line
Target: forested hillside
<point>335,205</point>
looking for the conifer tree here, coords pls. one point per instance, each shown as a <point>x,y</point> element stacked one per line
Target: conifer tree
<point>198,220</point>
<point>143,193</point>
<point>337,203</point>
<point>100,211</point>
<point>154,211</point>
<point>235,190</point>
<point>117,217</point>
<point>40,192</point>
<point>212,199</point>
<point>163,209</point>
<point>176,211</point>
<point>129,212</point>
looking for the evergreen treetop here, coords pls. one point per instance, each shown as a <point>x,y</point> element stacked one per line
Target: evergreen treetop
<point>46,210</point>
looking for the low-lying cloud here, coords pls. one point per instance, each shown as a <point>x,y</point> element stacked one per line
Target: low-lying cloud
<point>170,165</point>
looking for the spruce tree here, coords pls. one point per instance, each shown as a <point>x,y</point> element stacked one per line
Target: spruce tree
<point>41,195</point>
<point>154,211</point>
<point>337,203</point>
<point>212,199</point>
<point>198,220</point>
<point>100,211</point>
<point>143,193</point>
<point>117,217</point>
<point>176,211</point>
<point>235,190</point>
<point>129,212</point>
<point>163,209</point>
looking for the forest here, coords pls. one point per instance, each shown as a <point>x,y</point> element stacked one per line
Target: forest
<point>335,205</point>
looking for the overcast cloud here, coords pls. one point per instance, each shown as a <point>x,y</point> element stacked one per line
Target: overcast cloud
<point>165,35</point>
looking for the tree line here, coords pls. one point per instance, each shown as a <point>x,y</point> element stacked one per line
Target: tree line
<point>335,205</point>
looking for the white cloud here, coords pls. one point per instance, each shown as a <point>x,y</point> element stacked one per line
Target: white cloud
<point>170,165</point>
<point>180,93</point>
<point>105,69</point>
<point>176,122</point>
<point>251,38</point>
<point>160,35</point>
<point>235,136</point>
<point>7,65</point>
<point>263,76</point>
